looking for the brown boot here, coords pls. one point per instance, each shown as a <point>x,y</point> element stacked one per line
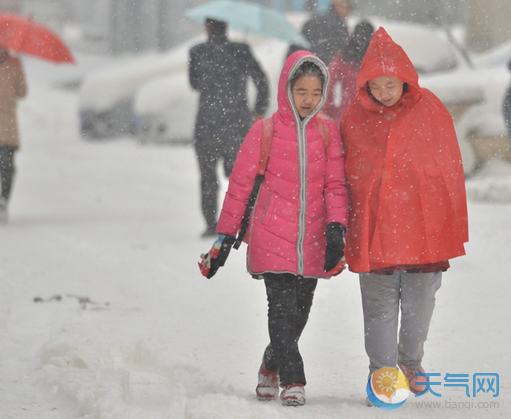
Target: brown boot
<point>417,384</point>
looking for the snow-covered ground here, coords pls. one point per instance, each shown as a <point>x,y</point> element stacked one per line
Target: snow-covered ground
<point>113,228</point>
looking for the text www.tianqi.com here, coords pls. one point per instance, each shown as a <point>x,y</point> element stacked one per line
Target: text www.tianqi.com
<point>469,405</point>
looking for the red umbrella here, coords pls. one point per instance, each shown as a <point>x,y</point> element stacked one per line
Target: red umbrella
<point>25,35</point>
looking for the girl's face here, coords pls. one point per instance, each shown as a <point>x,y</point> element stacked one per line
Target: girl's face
<point>306,94</point>
<point>386,90</point>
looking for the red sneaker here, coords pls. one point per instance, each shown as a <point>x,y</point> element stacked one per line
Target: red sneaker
<point>417,384</point>
<point>268,384</point>
<point>293,395</point>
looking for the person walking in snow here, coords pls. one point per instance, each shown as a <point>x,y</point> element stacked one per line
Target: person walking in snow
<point>408,209</point>
<point>218,70</point>
<point>327,32</point>
<point>506,107</point>
<point>343,72</point>
<point>12,88</point>
<point>296,229</point>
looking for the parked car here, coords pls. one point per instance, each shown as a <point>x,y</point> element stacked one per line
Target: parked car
<point>106,96</point>
<point>474,96</point>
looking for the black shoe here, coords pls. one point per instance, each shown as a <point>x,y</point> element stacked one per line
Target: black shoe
<point>209,233</point>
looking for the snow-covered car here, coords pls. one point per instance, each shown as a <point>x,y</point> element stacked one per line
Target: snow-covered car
<point>165,108</point>
<point>474,96</point>
<point>106,96</point>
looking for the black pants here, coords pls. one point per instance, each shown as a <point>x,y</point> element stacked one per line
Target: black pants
<point>208,154</point>
<point>289,303</point>
<point>6,170</point>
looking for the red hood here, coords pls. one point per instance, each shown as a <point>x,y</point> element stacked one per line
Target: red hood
<point>287,111</point>
<point>386,58</point>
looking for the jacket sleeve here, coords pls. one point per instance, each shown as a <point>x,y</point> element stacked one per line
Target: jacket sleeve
<point>255,71</point>
<point>194,73</point>
<point>336,187</point>
<point>241,182</point>
<point>506,110</point>
<point>21,84</point>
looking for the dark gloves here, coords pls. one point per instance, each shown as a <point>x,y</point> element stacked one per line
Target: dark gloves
<point>217,256</point>
<point>334,256</point>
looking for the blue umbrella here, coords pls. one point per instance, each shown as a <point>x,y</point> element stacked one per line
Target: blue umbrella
<point>249,17</point>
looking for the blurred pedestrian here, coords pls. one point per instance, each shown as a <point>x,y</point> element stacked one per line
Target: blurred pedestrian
<point>327,32</point>
<point>219,71</point>
<point>12,88</point>
<point>408,207</point>
<point>343,72</point>
<point>296,229</point>
<point>506,108</point>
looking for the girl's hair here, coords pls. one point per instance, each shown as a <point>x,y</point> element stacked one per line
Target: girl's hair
<point>308,68</point>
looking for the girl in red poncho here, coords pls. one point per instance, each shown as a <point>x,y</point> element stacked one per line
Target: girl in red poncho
<point>408,212</point>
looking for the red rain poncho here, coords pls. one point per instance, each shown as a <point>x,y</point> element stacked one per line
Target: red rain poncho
<point>404,170</point>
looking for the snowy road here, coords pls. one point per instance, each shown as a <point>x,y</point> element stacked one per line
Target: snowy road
<point>113,228</point>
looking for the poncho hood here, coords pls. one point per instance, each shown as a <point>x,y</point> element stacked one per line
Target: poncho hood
<point>386,58</point>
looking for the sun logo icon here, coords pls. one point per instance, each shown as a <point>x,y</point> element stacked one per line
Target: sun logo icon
<point>386,381</point>
<point>387,388</point>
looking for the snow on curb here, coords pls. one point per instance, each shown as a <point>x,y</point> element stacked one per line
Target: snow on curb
<point>492,183</point>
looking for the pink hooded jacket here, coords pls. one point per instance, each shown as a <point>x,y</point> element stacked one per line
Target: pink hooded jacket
<point>304,187</point>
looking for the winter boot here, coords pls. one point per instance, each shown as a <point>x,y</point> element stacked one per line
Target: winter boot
<point>417,384</point>
<point>293,395</point>
<point>209,232</point>
<point>268,385</point>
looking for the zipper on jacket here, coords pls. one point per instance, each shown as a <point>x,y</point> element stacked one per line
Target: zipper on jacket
<point>302,194</point>
<point>301,126</point>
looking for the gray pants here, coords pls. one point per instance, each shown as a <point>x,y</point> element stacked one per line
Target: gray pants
<point>381,298</point>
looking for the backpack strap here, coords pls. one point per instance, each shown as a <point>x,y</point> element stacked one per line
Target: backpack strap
<point>324,131</point>
<point>266,141</point>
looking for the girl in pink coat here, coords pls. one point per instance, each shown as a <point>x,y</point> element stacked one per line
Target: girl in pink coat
<point>296,233</point>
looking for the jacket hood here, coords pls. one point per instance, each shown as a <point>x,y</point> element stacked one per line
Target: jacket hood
<point>386,58</point>
<point>287,110</point>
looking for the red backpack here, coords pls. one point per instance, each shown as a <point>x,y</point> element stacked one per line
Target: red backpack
<point>266,141</point>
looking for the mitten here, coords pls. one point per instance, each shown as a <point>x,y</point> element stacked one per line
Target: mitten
<point>217,256</point>
<point>334,256</point>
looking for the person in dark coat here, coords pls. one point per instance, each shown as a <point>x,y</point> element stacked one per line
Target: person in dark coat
<point>506,108</point>
<point>219,70</point>
<point>327,32</point>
